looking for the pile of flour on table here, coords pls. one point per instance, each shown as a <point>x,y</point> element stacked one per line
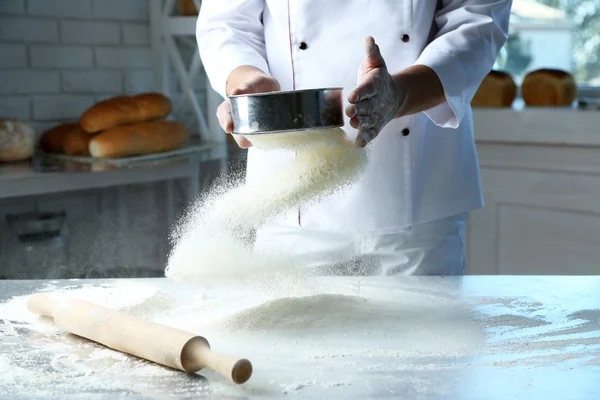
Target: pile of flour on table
<point>294,343</point>
<point>213,242</point>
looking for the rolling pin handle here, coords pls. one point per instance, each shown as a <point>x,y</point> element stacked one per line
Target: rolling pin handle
<point>41,304</point>
<point>196,354</point>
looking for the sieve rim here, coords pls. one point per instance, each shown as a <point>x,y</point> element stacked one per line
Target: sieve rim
<point>283,92</point>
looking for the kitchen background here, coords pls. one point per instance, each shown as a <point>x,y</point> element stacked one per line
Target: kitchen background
<point>540,165</point>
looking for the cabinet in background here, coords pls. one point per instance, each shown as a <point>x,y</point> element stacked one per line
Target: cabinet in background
<point>541,184</point>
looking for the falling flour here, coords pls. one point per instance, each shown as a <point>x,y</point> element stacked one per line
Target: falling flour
<point>213,241</point>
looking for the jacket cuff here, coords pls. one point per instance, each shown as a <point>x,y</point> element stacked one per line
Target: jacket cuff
<point>452,76</point>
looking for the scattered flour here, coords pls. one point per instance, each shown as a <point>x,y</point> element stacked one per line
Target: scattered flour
<point>361,328</point>
<point>213,242</point>
<point>512,320</point>
<point>127,297</point>
<point>10,373</point>
<point>64,364</point>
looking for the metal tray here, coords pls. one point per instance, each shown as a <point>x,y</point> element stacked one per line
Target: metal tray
<point>287,111</point>
<point>124,161</point>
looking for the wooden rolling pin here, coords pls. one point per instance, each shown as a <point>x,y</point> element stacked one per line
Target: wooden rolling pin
<point>142,338</point>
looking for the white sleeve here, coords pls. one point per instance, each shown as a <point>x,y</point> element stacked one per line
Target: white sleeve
<point>230,34</point>
<point>470,36</point>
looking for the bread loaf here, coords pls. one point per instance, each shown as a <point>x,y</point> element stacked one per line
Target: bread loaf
<point>187,8</point>
<point>122,110</point>
<point>138,139</point>
<point>549,87</point>
<point>498,89</point>
<point>76,142</point>
<point>52,140</point>
<point>17,140</point>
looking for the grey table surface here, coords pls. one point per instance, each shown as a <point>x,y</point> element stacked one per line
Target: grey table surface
<point>473,337</point>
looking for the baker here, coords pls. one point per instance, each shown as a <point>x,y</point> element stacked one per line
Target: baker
<point>419,64</point>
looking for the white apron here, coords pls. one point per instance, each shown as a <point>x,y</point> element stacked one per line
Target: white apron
<point>432,248</point>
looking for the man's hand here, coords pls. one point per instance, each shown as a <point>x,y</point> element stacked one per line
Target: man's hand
<point>251,81</point>
<point>377,99</point>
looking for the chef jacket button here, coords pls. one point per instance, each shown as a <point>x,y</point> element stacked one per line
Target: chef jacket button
<point>303,46</point>
<point>405,132</point>
<point>405,38</point>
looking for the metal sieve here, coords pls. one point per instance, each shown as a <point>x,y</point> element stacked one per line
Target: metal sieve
<point>287,111</point>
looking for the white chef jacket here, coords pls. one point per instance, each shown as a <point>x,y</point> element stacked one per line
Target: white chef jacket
<point>422,167</point>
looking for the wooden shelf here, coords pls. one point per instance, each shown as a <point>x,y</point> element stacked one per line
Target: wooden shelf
<point>166,25</point>
<point>546,126</point>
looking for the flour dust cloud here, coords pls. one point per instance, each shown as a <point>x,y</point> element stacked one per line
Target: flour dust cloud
<point>213,241</point>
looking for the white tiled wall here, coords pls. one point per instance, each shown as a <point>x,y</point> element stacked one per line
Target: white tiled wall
<point>58,57</point>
